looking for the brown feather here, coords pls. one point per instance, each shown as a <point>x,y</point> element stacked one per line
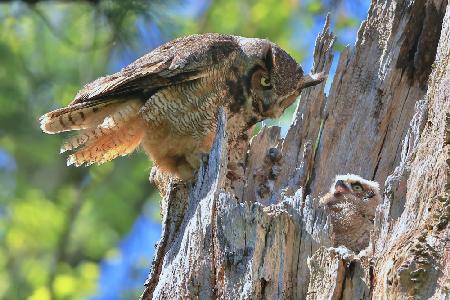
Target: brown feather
<point>108,122</point>
<point>118,142</point>
<point>81,116</point>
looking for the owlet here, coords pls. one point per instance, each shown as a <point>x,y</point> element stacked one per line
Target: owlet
<point>352,202</point>
<point>168,100</point>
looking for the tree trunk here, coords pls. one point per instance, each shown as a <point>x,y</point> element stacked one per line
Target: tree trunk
<point>260,234</point>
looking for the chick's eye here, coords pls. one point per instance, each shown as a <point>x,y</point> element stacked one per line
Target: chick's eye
<point>357,188</point>
<point>265,81</point>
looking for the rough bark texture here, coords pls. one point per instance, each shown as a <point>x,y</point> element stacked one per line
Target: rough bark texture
<point>258,234</point>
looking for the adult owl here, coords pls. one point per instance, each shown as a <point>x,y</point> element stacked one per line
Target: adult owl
<point>352,202</point>
<point>168,100</point>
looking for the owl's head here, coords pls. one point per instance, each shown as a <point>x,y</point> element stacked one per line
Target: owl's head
<point>355,186</point>
<point>351,205</point>
<point>274,78</point>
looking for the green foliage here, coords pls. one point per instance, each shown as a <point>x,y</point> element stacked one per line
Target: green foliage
<point>58,222</point>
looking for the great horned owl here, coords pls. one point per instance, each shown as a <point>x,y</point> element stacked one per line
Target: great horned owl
<point>167,101</point>
<point>352,201</point>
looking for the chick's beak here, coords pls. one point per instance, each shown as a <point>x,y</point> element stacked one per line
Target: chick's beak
<point>340,188</point>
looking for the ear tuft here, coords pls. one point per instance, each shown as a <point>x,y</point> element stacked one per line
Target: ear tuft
<point>269,59</point>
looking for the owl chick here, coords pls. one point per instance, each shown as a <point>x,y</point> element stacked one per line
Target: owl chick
<point>168,100</point>
<point>351,202</point>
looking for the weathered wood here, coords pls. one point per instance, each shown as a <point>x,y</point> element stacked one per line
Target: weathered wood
<point>375,89</point>
<point>249,227</point>
<point>413,247</point>
<point>336,274</point>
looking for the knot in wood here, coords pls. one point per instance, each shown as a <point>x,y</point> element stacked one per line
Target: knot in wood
<point>274,155</point>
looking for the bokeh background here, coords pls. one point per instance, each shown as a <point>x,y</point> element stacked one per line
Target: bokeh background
<point>90,232</point>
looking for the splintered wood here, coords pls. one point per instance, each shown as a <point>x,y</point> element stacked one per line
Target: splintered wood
<point>260,234</point>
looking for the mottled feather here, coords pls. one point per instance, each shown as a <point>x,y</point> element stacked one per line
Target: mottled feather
<point>167,101</point>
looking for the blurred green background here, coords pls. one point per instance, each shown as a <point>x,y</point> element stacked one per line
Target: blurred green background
<point>89,232</point>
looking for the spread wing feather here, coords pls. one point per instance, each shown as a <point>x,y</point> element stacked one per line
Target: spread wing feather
<point>177,61</point>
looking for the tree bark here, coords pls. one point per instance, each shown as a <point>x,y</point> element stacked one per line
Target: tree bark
<point>261,235</point>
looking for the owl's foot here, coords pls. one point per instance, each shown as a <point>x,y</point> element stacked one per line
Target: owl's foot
<point>196,159</point>
<point>185,171</point>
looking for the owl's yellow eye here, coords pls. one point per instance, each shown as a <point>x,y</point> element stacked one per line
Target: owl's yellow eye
<point>265,81</point>
<point>356,187</point>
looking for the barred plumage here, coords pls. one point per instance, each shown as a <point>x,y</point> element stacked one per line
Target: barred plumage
<point>78,116</point>
<point>118,141</point>
<point>168,100</point>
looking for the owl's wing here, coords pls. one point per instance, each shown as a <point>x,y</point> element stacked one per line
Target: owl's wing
<point>106,111</point>
<point>177,61</point>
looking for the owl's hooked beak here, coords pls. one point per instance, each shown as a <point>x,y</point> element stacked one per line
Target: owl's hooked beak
<point>275,111</point>
<point>310,80</point>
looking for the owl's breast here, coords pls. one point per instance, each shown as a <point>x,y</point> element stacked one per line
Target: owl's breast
<point>189,108</point>
<point>181,121</point>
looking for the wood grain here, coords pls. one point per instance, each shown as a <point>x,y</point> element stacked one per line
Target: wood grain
<point>260,234</point>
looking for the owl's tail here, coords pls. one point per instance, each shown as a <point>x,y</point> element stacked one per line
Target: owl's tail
<point>107,129</point>
<point>81,115</point>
